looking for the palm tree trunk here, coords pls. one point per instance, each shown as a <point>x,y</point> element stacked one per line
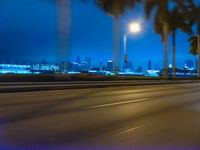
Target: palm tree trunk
<point>116,36</point>
<point>198,55</point>
<point>165,44</point>
<point>116,42</point>
<point>64,28</point>
<point>174,54</point>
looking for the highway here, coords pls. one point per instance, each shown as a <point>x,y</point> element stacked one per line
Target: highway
<point>149,117</point>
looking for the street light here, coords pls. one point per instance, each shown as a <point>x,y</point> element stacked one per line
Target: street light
<point>134,27</point>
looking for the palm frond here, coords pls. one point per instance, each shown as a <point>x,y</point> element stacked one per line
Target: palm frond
<point>150,6</point>
<point>116,7</point>
<point>193,45</point>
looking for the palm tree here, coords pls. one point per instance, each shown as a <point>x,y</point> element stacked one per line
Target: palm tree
<point>116,8</point>
<point>177,20</point>
<point>161,24</point>
<point>194,16</point>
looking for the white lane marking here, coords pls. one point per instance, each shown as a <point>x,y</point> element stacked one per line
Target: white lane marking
<point>134,128</point>
<point>117,103</point>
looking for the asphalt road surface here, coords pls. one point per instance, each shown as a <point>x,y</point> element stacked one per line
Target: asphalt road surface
<point>129,117</point>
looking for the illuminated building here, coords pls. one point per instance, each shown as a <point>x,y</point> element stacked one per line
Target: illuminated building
<point>89,62</point>
<point>189,65</point>
<point>47,67</point>
<point>15,69</point>
<point>140,69</point>
<point>149,65</point>
<point>110,66</point>
<point>128,66</point>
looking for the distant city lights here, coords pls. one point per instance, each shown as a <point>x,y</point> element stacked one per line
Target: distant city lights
<point>86,67</point>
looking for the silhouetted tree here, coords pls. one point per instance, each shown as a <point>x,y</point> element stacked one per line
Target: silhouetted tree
<point>161,25</point>
<point>193,8</point>
<point>177,20</point>
<point>116,8</point>
<point>193,45</point>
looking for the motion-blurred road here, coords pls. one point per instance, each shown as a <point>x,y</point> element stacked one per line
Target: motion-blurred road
<point>127,117</point>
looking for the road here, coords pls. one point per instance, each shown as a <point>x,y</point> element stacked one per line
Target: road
<point>127,117</point>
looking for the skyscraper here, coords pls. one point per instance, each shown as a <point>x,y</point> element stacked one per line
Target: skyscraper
<point>128,66</point>
<point>89,62</point>
<point>110,66</point>
<point>149,65</point>
<point>140,69</point>
<point>78,60</point>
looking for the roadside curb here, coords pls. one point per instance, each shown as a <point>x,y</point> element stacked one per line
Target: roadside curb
<point>82,86</point>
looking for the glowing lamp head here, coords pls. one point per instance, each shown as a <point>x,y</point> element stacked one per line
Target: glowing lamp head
<point>135,28</point>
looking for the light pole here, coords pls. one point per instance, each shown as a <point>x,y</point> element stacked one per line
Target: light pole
<point>134,28</point>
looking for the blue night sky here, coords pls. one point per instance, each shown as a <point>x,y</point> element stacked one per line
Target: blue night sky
<point>28,31</point>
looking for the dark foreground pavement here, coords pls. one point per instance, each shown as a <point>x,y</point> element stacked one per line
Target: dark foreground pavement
<point>133,117</point>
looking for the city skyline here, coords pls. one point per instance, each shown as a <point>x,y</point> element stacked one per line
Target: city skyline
<point>88,61</point>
